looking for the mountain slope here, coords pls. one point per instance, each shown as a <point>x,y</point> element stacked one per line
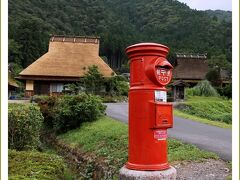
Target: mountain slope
<point>119,23</point>
<point>220,14</point>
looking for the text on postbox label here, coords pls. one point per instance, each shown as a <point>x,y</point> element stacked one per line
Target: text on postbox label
<point>160,134</point>
<point>164,75</point>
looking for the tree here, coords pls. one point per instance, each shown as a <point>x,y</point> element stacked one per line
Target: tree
<point>14,53</point>
<point>218,63</point>
<point>93,80</point>
<point>32,39</point>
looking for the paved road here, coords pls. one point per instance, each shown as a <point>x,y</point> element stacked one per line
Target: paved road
<point>204,136</point>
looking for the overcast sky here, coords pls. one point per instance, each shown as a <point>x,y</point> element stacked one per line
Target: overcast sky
<point>209,4</point>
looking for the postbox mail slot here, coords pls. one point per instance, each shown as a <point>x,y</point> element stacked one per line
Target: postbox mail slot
<point>164,115</point>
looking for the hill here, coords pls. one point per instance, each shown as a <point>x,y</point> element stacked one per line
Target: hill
<point>221,15</point>
<point>119,23</point>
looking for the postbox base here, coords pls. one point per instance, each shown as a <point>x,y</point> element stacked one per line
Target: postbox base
<point>143,167</point>
<point>128,174</point>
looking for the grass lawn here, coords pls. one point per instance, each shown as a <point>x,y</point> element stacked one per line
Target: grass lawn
<point>109,138</point>
<point>38,165</point>
<point>35,165</point>
<point>202,120</point>
<point>210,110</point>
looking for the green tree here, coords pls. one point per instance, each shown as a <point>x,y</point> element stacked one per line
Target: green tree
<point>119,23</point>
<point>32,39</point>
<point>93,80</point>
<point>14,53</point>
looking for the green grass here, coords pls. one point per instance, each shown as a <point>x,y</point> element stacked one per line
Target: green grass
<point>34,165</point>
<point>109,138</point>
<point>207,108</point>
<point>202,120</point>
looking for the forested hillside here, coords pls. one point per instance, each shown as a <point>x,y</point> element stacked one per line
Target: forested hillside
<point>119,23</point>
<point>220,14</point>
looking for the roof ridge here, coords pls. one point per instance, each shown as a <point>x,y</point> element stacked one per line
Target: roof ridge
<point>75,39</point>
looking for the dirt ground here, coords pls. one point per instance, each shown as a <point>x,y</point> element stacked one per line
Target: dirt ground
<point>207,170</point>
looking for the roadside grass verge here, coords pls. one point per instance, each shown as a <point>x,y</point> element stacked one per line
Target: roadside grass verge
<point>35,165</point>
<point>202,120</point>
<point>209,110</point>
<point>109,139</point>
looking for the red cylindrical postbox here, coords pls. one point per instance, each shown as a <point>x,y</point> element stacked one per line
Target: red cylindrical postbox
<point>149,113</point>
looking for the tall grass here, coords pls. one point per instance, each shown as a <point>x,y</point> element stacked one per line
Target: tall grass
<point>203,88</point>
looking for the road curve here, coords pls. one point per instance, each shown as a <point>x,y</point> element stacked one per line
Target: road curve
<point>204,136</point>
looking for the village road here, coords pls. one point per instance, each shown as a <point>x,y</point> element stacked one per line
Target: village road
<point>204,136</point>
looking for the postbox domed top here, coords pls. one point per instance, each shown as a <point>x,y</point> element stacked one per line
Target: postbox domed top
<point>145,49</point>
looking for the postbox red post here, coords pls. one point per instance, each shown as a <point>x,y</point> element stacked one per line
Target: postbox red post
<point>149,113</point>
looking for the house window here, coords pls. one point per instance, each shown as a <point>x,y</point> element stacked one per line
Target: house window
<point>56,87</point>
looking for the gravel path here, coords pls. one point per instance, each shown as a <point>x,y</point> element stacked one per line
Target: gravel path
<point>207,170</point>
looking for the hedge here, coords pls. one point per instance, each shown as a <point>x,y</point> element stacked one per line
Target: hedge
<point>24,126</point>
<point>69,111</point>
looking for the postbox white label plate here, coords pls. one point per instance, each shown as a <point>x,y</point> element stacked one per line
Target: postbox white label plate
<point>161,96</point>
<point>160,134</point>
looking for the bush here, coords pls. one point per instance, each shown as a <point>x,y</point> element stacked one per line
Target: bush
<point>225,91</point>
<point>38,98</point>
<point>117,85</point>
<point>34,165</point>
<point>46,104</point>
<point>122,88</point>
<point>203,88</point>
<point>24,125</point>
<point>71,111</point>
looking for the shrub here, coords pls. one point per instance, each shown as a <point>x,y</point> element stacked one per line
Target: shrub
<point>225,91</point>
<point>38,98</point>
<point>24,125</point>
<point>34,165</point>
<point>117,85</point>
<point>122,88</point>
<point>71,111</point>
<point>47,104</point>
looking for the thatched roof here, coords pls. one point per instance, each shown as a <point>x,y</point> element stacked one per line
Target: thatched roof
<point>68,57</point>
<point>11,81</point>
<point>194,68</point>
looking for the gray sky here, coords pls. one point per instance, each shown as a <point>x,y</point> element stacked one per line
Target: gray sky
<point>209,4</point>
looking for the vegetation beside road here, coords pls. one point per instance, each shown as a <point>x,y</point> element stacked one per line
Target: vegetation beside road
<point>27,122</point>
<point>35,165</point>
<point>201,120</point>
<point>109,139</point>
<point>210,110</point>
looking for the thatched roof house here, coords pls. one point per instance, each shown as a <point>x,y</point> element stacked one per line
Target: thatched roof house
<point>67,60</point>
<point>190,68</point>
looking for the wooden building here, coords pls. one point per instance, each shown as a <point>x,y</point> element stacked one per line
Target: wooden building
<point>66,61</point>
<point>189,70</point>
